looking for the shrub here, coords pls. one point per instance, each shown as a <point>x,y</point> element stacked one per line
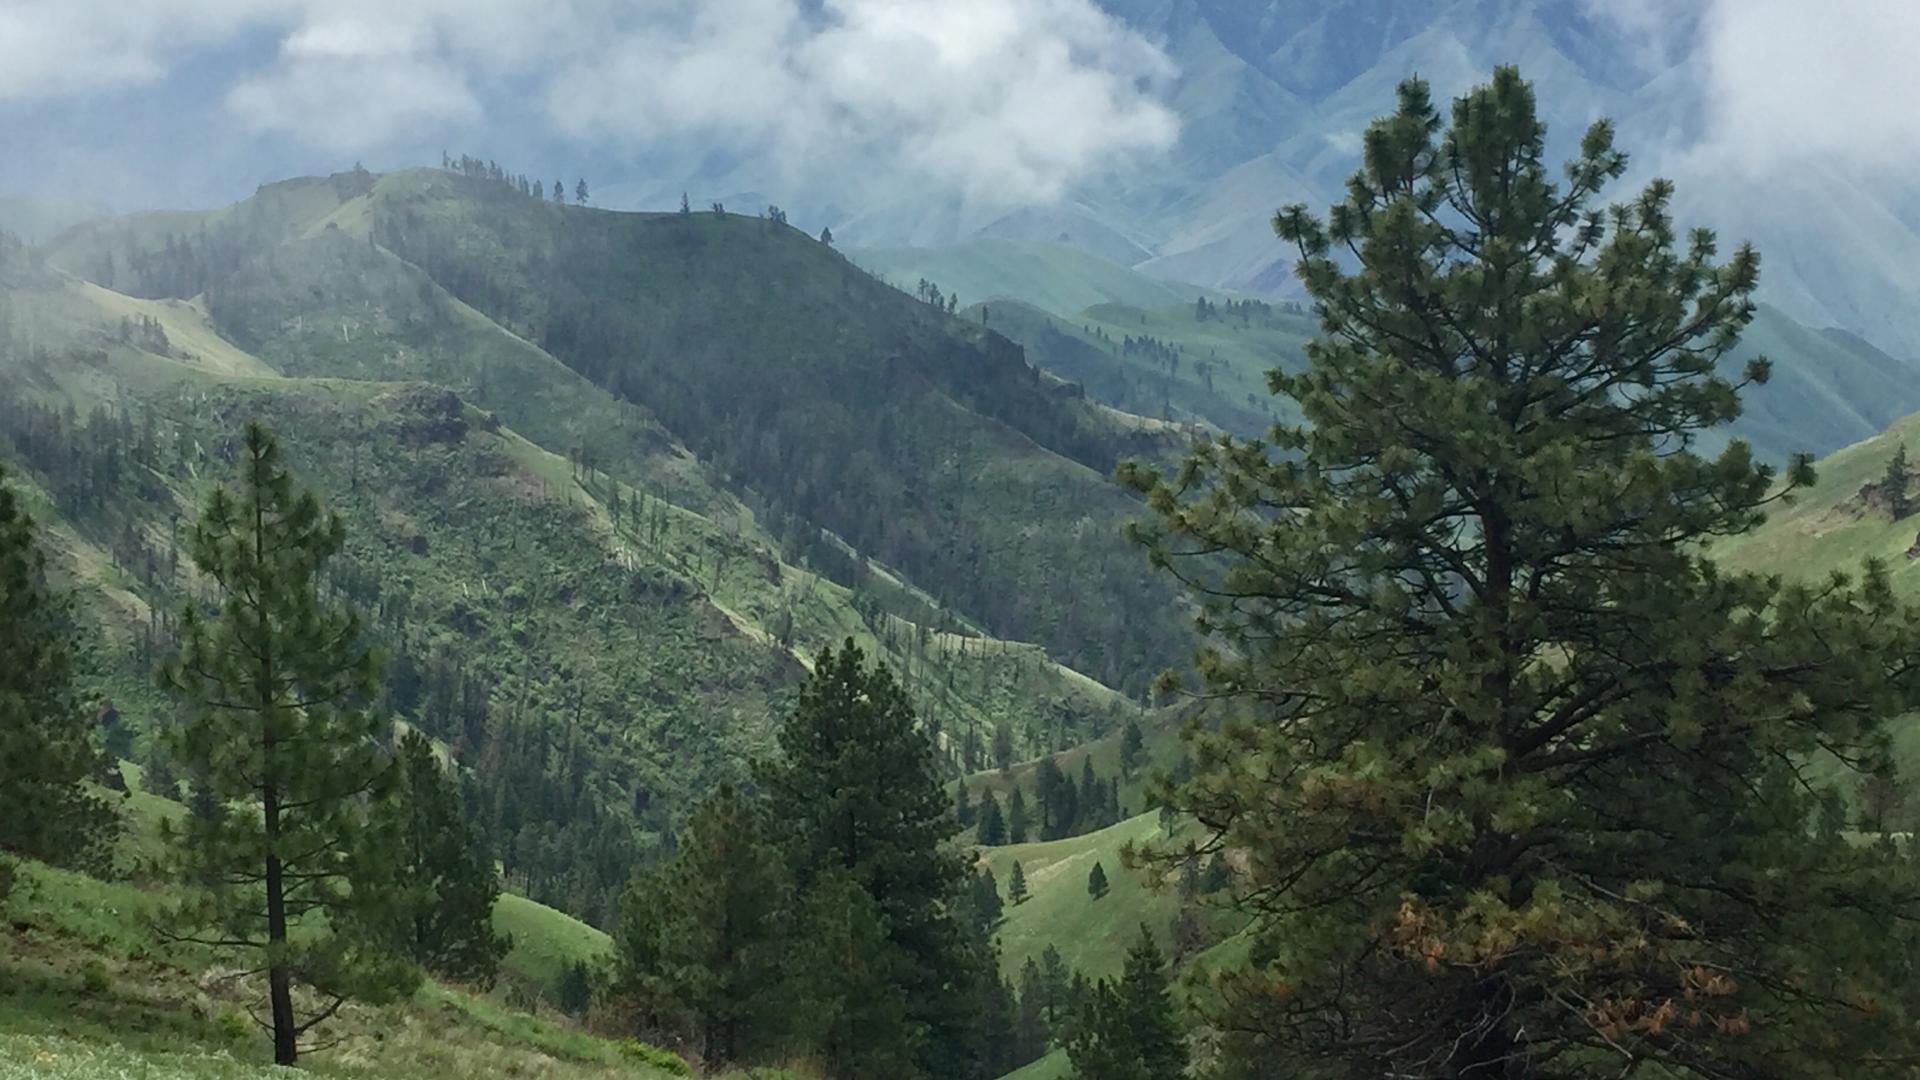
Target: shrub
<point>94,978</point>
<point>648,1054</point>
<point>232,1025</point>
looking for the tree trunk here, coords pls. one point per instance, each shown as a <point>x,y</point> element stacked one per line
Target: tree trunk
<point>279,978</point>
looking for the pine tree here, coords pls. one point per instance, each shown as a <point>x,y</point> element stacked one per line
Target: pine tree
<point>1129,1030</point>
<point>848,974</point>
<point>1002,747</point>
<point>580,192</point>
<point>699,942</point>
<point>1092,799</point>
<point>46,749</point>
<point>1031,1035</point>
<point>1058,799</point>
<point>1510,739</point>
<point>984,900</point>
<point>575,992</point>
<point>1056,981</point>
<point>1893,485</point>
<point>857,794</point>
<point>993,826</point>
<point>276,687</point>
<point>1017,823</point>
<point>1132,745</point>
<point>1097,881</point>
<point>826,236</point>
<point>1017,885</point>
<point>445,873</point>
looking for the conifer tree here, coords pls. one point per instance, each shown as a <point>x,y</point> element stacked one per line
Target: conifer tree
<point>857,794</point>
<point>1017,885</point>
<point>849,1008</point>
<point>443,871</point>
<point>279,734</point>
<point>1893,486</point>
<point>1132,745</point>
<point>993,825</point>
<point>1018,824</point>
<point>1097,881</point>
<point>1129,1030</point>
<point>1055,979</point>
<point>1515,785</point>
<point>46,747</point>
<point>1030,1029</point>
<point>699,945</point>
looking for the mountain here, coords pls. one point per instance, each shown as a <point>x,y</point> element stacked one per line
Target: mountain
<point>1206,362</point>
<point>612,480</point>
<point>1273,96</point>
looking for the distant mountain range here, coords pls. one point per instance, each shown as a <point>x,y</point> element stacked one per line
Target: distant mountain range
<point>1273,96</point>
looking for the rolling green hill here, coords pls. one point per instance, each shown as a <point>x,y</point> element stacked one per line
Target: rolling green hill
<point>1092,935</point>
<point>577,603</point>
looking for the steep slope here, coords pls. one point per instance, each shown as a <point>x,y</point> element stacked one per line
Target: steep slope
<point>598,625</point>
<point>833,399</point>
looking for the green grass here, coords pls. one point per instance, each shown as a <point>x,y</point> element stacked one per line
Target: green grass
<point>1092,935</point>
<point>1053,1066</point>
<point>545,942</point>
<point>89,990</point>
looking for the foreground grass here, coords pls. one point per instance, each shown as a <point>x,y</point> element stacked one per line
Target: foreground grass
<point>88,989</point>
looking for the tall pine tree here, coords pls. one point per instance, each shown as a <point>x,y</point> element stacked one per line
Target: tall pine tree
<point>857,793</point>
<point>700,941</point>
<point>46,747</point>
<point>1516,782</point>
<point>1130,1030</point>
<point>442,869</point>
<point>276,685</point>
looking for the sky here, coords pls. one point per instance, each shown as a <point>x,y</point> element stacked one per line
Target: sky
<point>1008,103</point>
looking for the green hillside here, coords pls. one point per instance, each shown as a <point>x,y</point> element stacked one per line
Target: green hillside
<point>1054,277</point>
<point>771,357</point>
<point>1092,935</point>
<point>88,992</point>
<point>1828,388</point>
<point>1829,527</point>
<point>593,621</point>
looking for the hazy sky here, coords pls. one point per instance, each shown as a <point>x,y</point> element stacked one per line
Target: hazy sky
<point>999,101</point>
<point>1007,100</point>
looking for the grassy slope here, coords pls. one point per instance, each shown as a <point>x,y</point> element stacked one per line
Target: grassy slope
<point>1051,276</point>
<point>1092,935</point>
<point>88,991</point>
<point>1826,528</point>
<point>1219,377</point>
<point>545,942</point>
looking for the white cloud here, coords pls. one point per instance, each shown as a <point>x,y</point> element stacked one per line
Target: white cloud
<point>999,100</point>
<point>1788,81</point>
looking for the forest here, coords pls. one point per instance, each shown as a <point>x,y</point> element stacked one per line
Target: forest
<point>652,645</point>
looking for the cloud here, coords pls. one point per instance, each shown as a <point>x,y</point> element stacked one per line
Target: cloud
<point>345,84</point>
<point>1787,82</point>
<point>998,100</point>
<point>1003,100</point>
